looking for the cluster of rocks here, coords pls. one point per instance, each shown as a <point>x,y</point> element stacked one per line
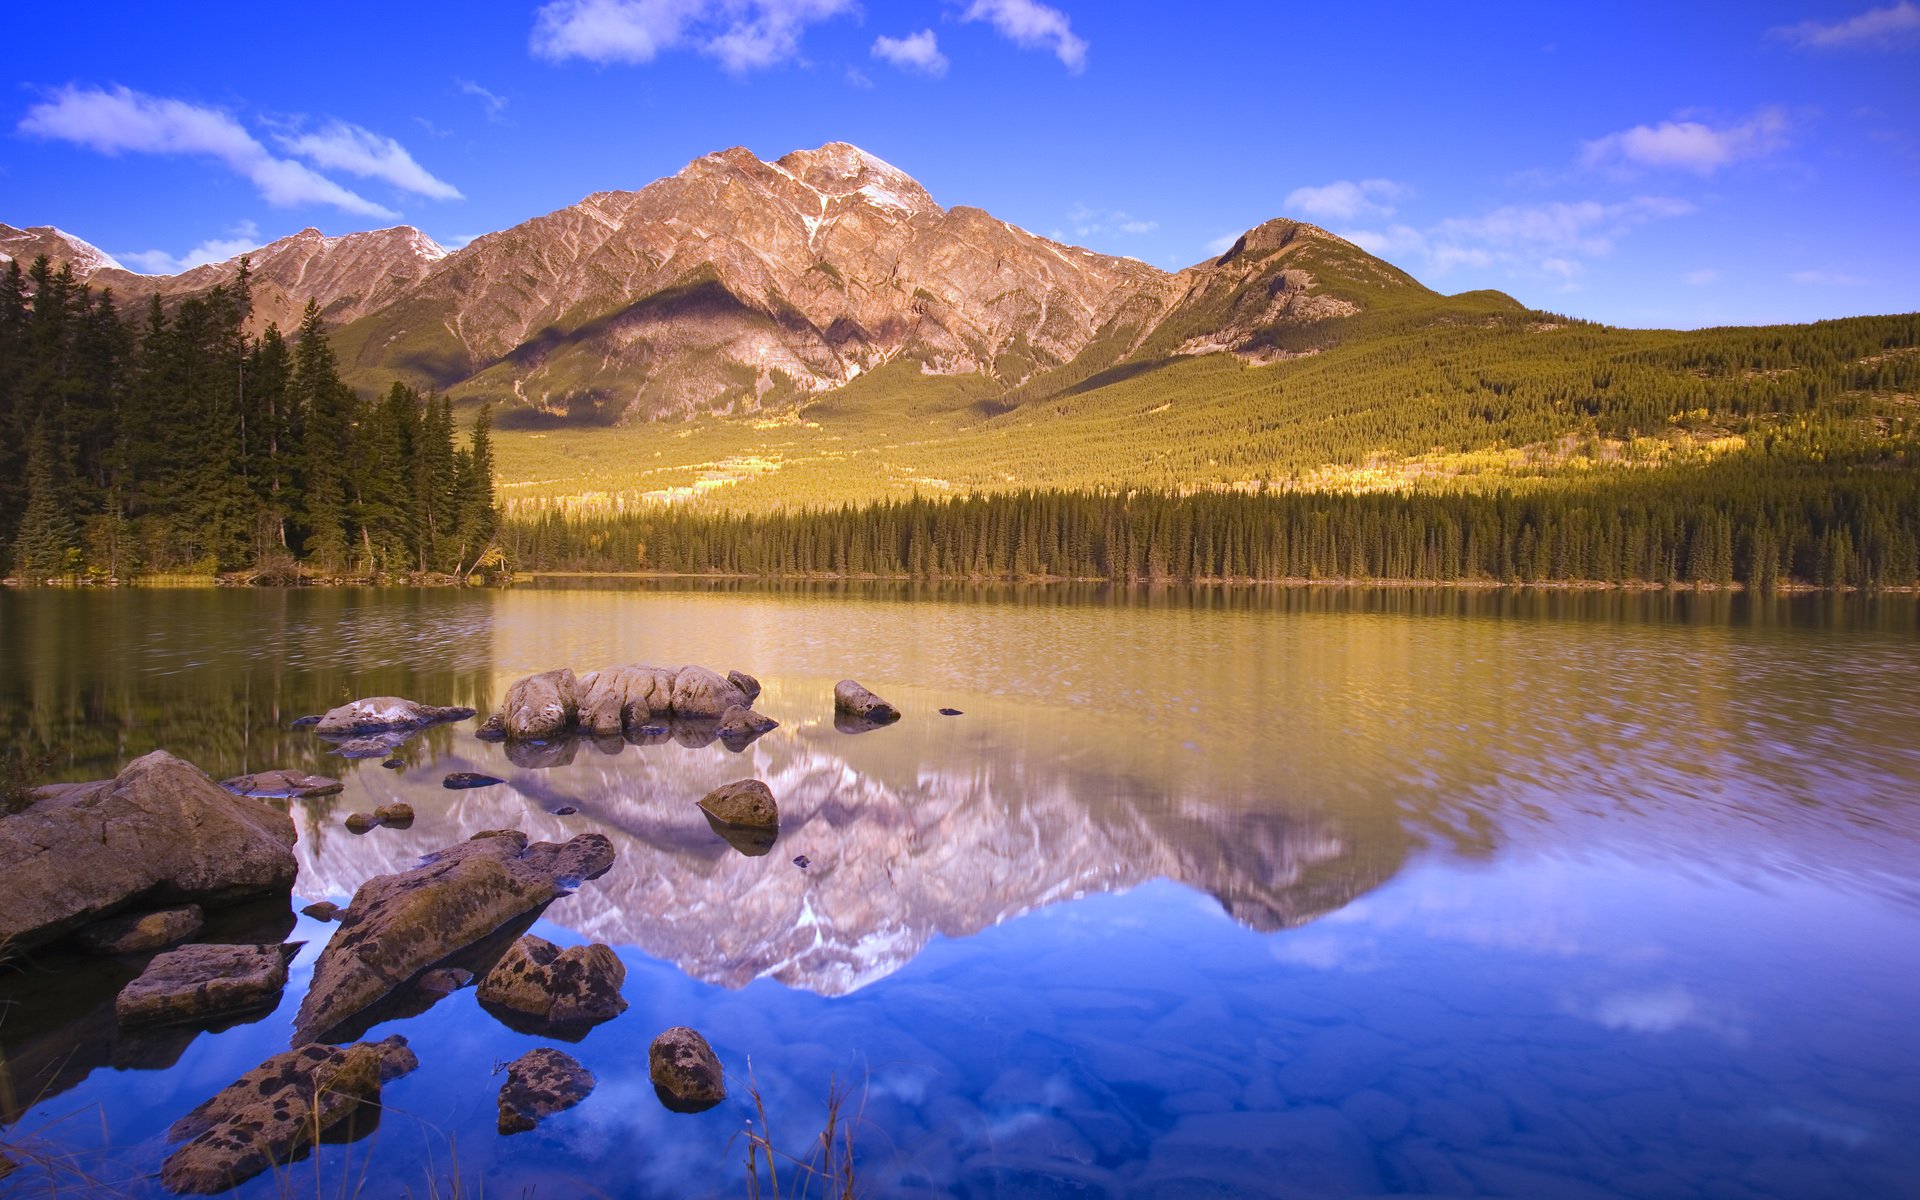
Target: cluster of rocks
<point>397,815</point>
<point>633,701</point>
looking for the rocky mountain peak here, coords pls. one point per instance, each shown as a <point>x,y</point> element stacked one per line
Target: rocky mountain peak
<point>841,169</point>
<point>25,245</point>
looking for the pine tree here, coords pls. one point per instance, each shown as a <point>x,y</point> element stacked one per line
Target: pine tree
<point>46,540</point>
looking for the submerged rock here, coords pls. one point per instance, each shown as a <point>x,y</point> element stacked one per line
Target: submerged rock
<point>951,712</point>
<point>540,1083</point>
<point>269,1117</point>
<point>204,983</point>
<point>323,910</point>
<point>398,815</point>
<point>394,764</point>
<point>460,780</point>
<point>444,981</point>
<point>159,832</point>
<point>685,1071</point>
<point>399,925</point>
<point>565,810</point>
<point>136,933</point>
<point>851,699</point>
<point>304,722</point>
<point>538,980</point>
<point>615,701</point>
<point>372,745</point>
<point>281,785</point>
<point>384,714</point>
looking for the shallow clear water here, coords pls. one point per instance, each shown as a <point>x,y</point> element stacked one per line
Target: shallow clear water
<point>1288,894</point>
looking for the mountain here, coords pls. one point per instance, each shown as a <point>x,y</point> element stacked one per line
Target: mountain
<point>25,245</point>
<point>738,285</point>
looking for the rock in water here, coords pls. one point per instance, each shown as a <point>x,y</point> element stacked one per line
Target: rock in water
<point>160,831</point>
<point>394,764</point>
<point>305,722</point>
<point>204,983</point>
<point>855,701</point>
<point>615,698</point>
<point>323,910</point>
<point>360,822</point>
<point>445,980</point>
<point>281,785</point>
<point>576,986</point>
<point>383,714</point>
<point>685,1071</point>
<point>398,925</point>
<point>951,712</point>
<point>538,706</point>
<point>396,816</point>
<point>268,1117</point>
<point>746,802</point>
<point>748,685</point>
<point>739,724</point>
<point>540,1083</point>
<point>136,933</point>
<point>459,780</point>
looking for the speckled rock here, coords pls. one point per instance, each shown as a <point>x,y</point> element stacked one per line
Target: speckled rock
<point>855,701</point>
<point>746,802</point>
<point>160,832</point>
<point>281,785</point>
<point>135,933</point>
<point>540,1083</point>
<point>268,1116</point>
<point>685,1071</point>
<point>381,714</point>
<point>203,983</point>
<point>576,986</point>
<point>399,925</point>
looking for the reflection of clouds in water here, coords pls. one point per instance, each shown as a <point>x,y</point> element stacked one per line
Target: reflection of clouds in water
<point>1850,1129</point>
<point>1661,1010</point>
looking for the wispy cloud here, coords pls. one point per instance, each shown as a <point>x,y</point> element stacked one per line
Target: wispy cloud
<point>1033,26</point>
<point>1347,199</point>
<point>1826,279</point>
<point>1090,222</point>
<point>119,120</point>
<point>494,104</point>
<point>915,52</point>
<point>244,237</point>
<point>1687,145</point>
<point>743,35</point>
<point>1894,26</point>
<point>339,146</point>
<point>1553,241</point>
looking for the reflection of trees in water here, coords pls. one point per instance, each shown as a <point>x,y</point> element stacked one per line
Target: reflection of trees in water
<point>217,676</point>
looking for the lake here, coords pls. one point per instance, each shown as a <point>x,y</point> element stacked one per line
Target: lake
<point>1292,893</point>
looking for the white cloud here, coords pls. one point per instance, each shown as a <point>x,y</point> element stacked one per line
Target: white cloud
<point>1221,244</point>
<point>1877,28</point>
<point>743,35</point>
<point>1033,26</point>
<point>1687,145</point>
<point>1826,279</point>
<point>496,105</point>
<point>1552,241</point>
<point>1089,222</point>
<point>339,146</point>
<point>915,52</point>
<point>1347,199</point>
<point>119,120</point>
<point>245,237</point>
<point>1701,277</point>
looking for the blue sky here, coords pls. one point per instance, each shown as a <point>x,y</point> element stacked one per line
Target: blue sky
<point>1642,164</point>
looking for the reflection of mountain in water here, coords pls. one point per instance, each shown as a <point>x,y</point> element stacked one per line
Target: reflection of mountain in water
<point>893,859</point>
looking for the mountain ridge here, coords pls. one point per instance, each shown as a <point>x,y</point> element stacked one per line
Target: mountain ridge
<point>739,284</point>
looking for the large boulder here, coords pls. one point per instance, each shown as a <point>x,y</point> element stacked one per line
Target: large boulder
<point>855,701</point>
<point>160,832</point>
<point>384,714</point>
<point>270,1116</point>
<point>397,926</point>
<point>540,1083</point>
<point>539,706</point>
<point>685,1071</point>
<point>539,981</point>
<point>615,701</point>
<point>139,932</point>
<point>205,983</point>
<point>619,698</point>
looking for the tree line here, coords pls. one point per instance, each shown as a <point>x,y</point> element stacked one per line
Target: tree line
<point>178,443</point>
<point>1846,518</point>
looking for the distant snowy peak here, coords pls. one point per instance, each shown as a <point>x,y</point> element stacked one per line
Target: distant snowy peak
<point>59,246</point>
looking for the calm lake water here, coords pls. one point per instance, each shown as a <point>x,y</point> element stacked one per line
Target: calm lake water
<point>1292,894</point>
